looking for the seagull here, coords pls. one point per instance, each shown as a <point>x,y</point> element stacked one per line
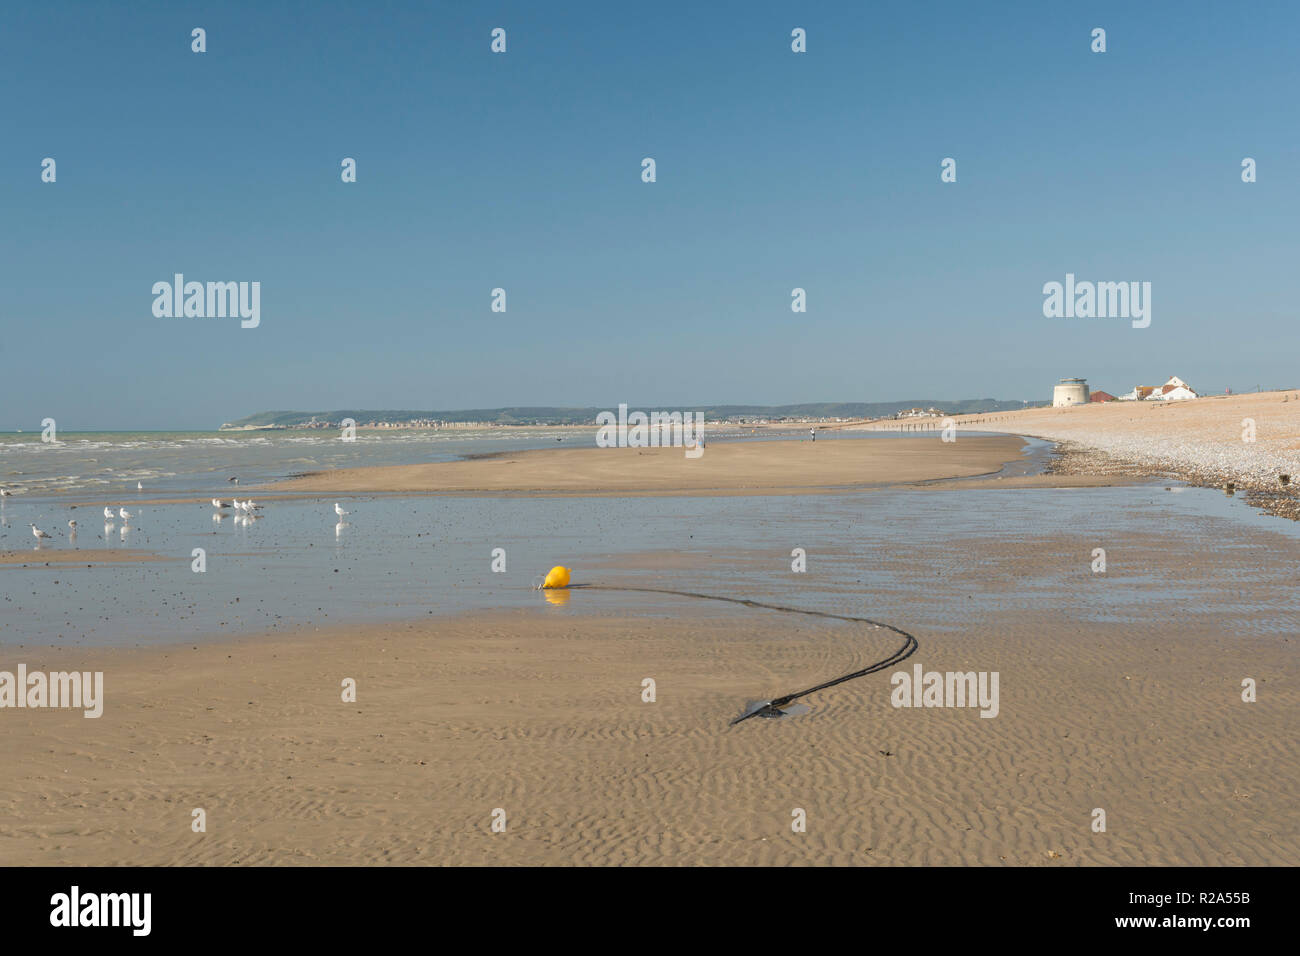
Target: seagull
<point>108,514</point>
<point>339,511</point>
<point>73,525</point>
<point>124,514</point>
<point>37,533</point>
<point>218,503</point>
<point>234,479</point>
<point>139,487</point>
<point>6,493</point>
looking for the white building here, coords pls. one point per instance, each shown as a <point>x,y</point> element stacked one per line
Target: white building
<point>1174,390</point>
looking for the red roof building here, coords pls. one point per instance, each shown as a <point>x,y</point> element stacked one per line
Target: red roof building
<point>1101,397</point>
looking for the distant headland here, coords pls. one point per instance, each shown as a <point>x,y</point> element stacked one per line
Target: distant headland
<point>543,415</point>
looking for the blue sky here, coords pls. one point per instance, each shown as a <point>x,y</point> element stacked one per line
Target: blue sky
<point>522,171</point>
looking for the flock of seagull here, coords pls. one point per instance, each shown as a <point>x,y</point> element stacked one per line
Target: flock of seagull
<point>246,512</point>
<point>109,519</point>
<point>243,507</point>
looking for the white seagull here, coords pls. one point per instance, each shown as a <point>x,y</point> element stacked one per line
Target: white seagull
<point>124,514</point>
<point>73,525</point>
<point>218,503</point>
<point>108,514</point>
<point>37,533</point>
<point>5,493</point>
<point>339,511</point>
<point>139,487</point>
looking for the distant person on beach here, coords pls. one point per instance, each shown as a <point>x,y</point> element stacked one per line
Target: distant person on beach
<point>813,432</point>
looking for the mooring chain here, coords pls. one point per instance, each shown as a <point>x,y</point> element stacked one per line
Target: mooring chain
<point>772,708</point>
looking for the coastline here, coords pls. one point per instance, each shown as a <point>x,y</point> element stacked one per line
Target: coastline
<point>1247,441</point>
<point>1077,461</point>
<point>1120,690</point>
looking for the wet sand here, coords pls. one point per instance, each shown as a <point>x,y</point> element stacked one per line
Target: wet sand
<point>52,556</point>
<point>1053,480</point>
<point>737,468</point>
<point>539,713</point>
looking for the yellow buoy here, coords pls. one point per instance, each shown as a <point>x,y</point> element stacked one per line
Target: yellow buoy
<point>557,578</point>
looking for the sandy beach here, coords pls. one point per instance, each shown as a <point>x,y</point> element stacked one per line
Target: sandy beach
<point>1121,691</point>
<point>539,713</point>
<point>544,719</point>
<point>737,468</point>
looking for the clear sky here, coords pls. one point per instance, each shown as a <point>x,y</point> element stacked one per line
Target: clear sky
<point>523,171</point>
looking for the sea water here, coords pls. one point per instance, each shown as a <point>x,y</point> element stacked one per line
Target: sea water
<point>903,555</point>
